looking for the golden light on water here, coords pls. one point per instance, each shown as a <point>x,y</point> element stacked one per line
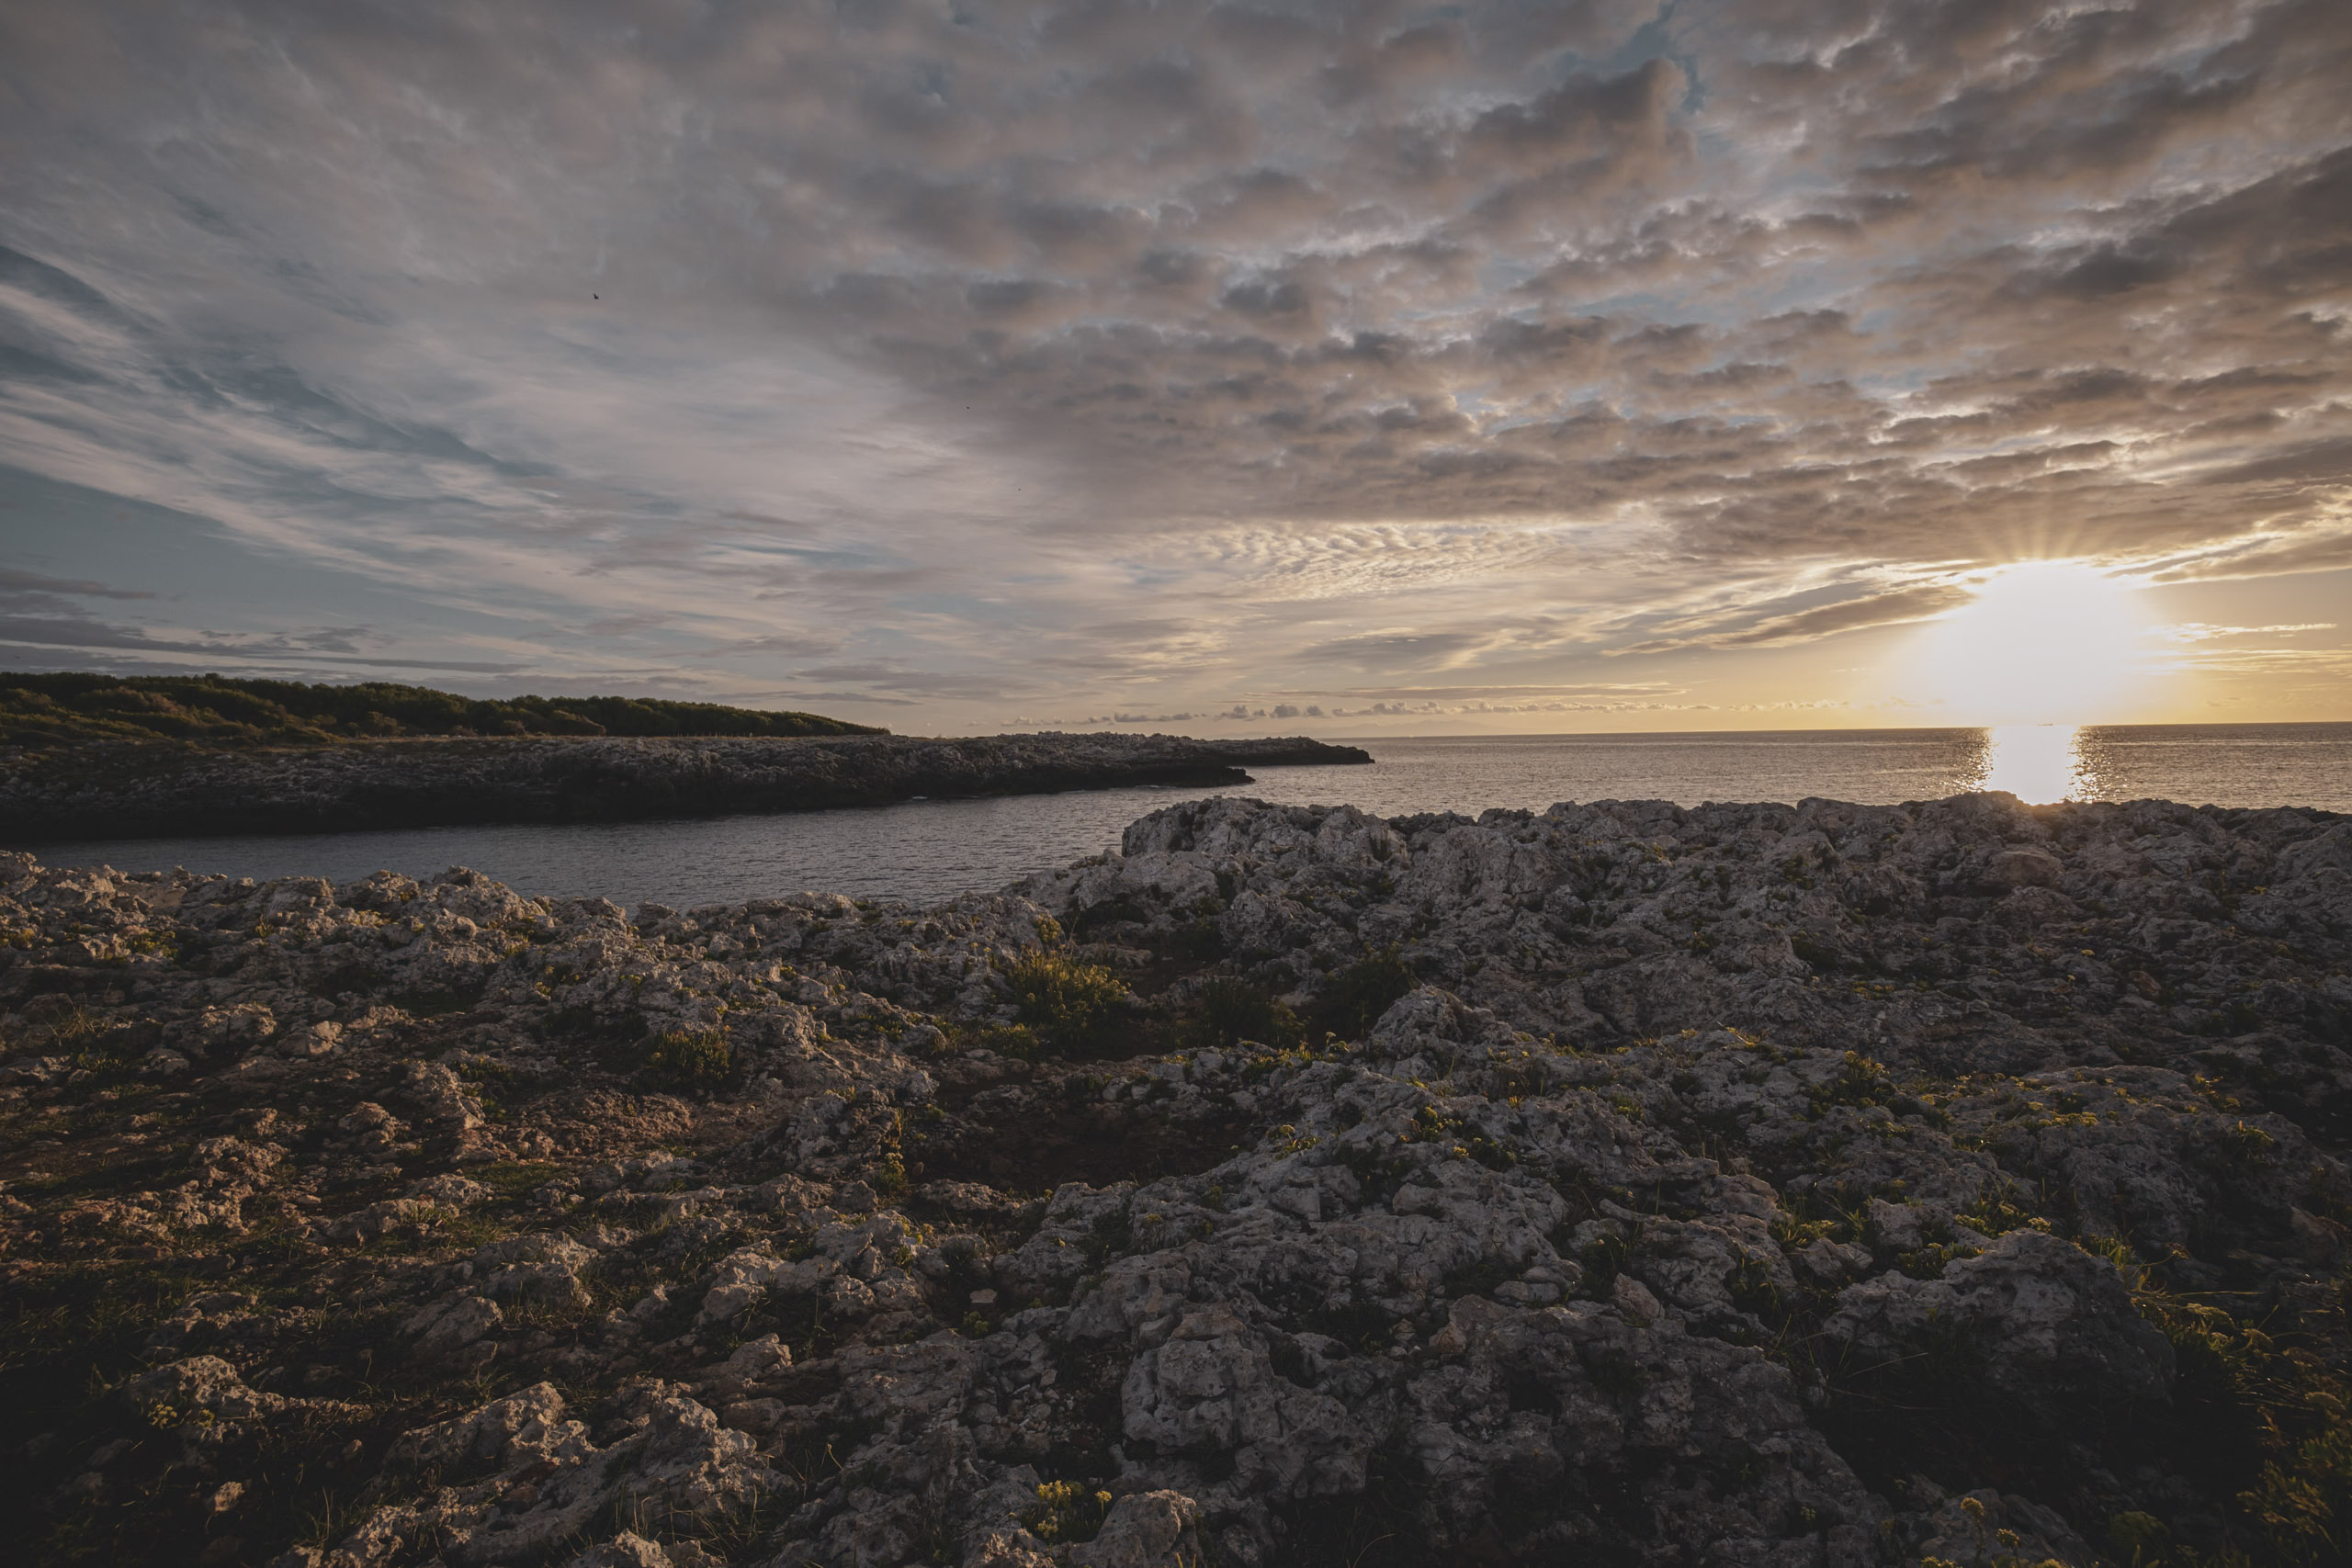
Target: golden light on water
<point>2039,763</point>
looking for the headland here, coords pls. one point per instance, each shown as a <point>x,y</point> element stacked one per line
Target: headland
<point>164,788</point>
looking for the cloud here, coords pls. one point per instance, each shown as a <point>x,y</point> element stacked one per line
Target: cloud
<point>326,647</point>
<point>1897,608</point>
<point>1114,357</point>
<point>15,584</point>
<point>1581,688</point>
<point>2202,631</point>
<point>904,683</point>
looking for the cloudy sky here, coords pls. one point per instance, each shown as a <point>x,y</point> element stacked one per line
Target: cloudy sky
<point>961,364</point>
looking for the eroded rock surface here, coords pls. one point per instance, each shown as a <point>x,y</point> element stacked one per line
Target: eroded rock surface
<point>1828,1185</point>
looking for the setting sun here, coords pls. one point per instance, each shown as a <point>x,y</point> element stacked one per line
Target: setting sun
<point>2043,642</point>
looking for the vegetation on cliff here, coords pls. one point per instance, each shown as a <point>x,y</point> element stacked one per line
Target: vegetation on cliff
<point>42,710</point>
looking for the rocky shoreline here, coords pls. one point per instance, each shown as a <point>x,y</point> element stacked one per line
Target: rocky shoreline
<point>1947,1183</point>
<point>117,789</point>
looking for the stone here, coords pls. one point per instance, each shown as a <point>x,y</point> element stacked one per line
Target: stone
<point>195,1389</point>
<point>443,1327</point>
<point>1896,1224</point>
<point>758,1417</point>
<point>310,1040</point>
<point>2025,868</point>
<point>626,1549</point>
<point>2044,1324</point>
<point>1636,1300</point>
<point>1145,1529</point>
<point>529,1425</point>
<point>540,1266</point>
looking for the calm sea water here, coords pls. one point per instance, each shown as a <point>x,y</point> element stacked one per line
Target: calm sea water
<point>930,850</point>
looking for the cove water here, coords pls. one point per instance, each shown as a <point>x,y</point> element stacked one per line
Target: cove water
<point>926,850</point>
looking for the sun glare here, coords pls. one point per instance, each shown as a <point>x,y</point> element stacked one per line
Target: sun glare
<point>2035,762</point>
<point>2045,642</point>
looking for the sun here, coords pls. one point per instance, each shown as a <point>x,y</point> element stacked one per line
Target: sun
<point>2043,642</point>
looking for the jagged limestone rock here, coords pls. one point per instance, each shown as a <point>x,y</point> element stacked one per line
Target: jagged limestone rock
<point>1752,1184</point>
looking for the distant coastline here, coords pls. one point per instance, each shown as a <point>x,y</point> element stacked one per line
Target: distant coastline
<point>150,789</point>
<point>39,711</point>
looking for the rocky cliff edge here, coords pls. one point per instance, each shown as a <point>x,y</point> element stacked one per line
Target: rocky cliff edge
<point>1952,1182</point>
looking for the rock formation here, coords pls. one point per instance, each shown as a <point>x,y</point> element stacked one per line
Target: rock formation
<point>1951,1183</point>
<point>122,789</point>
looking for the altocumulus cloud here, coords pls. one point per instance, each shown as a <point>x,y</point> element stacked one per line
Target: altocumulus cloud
<point>1114,356</point>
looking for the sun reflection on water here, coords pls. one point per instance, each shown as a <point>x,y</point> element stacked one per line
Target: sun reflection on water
<point>2039,763</point>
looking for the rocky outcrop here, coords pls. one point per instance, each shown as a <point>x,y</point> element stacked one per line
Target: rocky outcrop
<point>1831,1185</point>
<point>129,790</point>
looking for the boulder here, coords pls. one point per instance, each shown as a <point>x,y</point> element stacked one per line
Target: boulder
<point>2041,1323</point>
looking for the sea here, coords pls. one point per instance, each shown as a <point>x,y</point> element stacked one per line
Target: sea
<point>928,851</point>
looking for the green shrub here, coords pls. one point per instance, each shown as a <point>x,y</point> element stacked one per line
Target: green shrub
<point>2249,1145</point>
<point>1201,938</point>
<point>2000,1208</point>
<point>1861,1081</point>
<point>1015,1039</point>
<point>1067,1511</point>
<point>2302,1505</point>
<point>690,1058</point>
<point>1233,1011</point>
<point>1073,1007</point>
<point>1355,998</point>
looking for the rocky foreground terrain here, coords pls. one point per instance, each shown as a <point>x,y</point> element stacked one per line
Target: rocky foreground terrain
<point>1813,1188</point>
<point>131,789</point>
